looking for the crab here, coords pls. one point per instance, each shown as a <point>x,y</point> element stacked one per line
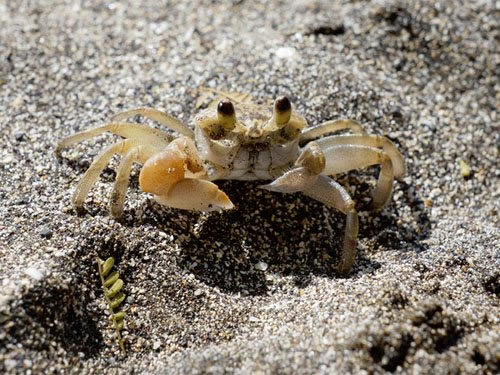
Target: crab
<point>236,139</point>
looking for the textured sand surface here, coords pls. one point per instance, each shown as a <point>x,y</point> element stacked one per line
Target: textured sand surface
<point>253,290</point>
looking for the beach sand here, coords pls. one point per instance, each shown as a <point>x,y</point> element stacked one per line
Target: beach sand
<point>252,290</point>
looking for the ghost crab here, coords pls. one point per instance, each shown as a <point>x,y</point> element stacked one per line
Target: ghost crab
<point>237,139</point>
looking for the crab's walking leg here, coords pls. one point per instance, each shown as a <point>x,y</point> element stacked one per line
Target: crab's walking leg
<point>158,116</point>
<point>146,134</point>
<point>330,193</point>
<point>310,164</point>
<point>95,169</point>
<point>309,179</point>
<point>329,127</point>
<point>343,158</point>
<point>377,141</point>
<point>137,154</point>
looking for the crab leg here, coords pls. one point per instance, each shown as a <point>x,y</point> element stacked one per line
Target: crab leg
<point>330,193</point>
<point>329,127</point>
<point>292,181</point>
<point>371,141</point>
<point>343,158</point>
<point>158,116</point>
<point>310,164</point>
<point>92,174</point>
<point>146,134</point>
<point>122,180</point>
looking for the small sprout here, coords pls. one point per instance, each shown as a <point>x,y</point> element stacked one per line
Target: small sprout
<point>119,325</point>
<point>108,264</point>
<point>465,170</point>
<point>119,315</point>
<point>111,279</point>
<point>115,302</point>
<point>117,286</point>
<point>114,297</point>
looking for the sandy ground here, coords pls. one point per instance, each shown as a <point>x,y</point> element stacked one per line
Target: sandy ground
<point>253,290</point>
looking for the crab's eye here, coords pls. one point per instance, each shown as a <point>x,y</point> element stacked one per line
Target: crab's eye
<point>226,114</point>
<point>282,111</point>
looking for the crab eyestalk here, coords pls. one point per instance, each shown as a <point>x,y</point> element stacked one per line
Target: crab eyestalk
<point>282,111</point>
<point>226,115</point>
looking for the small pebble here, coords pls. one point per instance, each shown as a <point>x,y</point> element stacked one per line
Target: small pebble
<point>21,201</point>
<point>7,159</point>
<point>46,232</point>
<point>261,266</point>
<point>464,169</point>
<point>130,300</point>
<point>34,273</point>
<point>286,52</point>
<point>10,364</point>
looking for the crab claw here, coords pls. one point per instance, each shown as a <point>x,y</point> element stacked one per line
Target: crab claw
<point>164,175</point>
<point>161,172</point>
<point>199,195</point>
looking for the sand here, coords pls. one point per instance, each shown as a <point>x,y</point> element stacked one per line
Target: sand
<point>252,290</point>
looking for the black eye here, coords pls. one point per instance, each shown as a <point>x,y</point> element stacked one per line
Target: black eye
<point>282,104</point>
<point>225,108</point>
<point>226,115</point>
<point>282,110</point>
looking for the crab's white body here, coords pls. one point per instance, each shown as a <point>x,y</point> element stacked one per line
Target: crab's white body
<point>252,151</point>
<point>253,162</point>
<point>242,142</point>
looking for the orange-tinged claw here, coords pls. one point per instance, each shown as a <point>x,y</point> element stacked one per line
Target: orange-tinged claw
<point>193,194</point>
<point>161,172</point>
<point>168,174</point>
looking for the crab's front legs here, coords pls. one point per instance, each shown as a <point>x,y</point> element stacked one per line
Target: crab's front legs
<point>177,179</point>
<point>307,178</point>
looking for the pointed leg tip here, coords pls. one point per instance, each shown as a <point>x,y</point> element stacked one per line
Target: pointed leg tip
<point>267,187</point>
<point>223,202</point>
<point>378,205</point>
<point>79,210</point>
<point>279,188</point>
<point>343,272</point>
<point>116,213</point>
